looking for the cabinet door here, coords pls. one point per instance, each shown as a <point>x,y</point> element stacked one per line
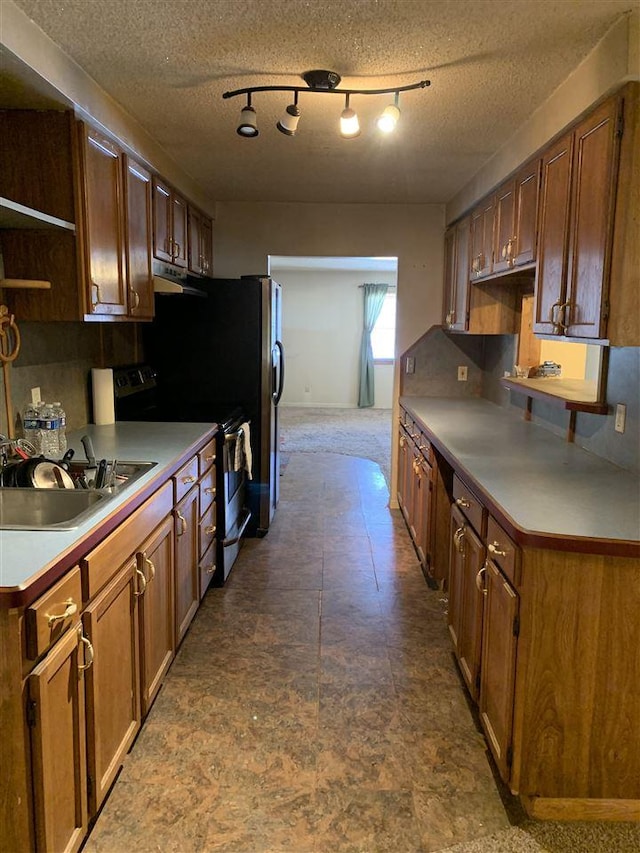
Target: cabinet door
<point>404,473</point>
<point>161,221</point>
<point>461,290</point>
<point>471,605</point>
<point>56,700</point>
<point>595,168</point>
<point>527,184</point>
<point>449,289</point>
<point>422,506</point>
<point>187,540</point>
<point>207,246</point>
<point>553,233</point>
<point>505,234</point>
<point>194,253</point>
<point>157,614</point>
<point>179,230</point>
<point>113,682</point>
<point>103,243</point>
<point>456,576</point>
<point>482,239</point>
<point>497,679</point>
<point>138,239</point>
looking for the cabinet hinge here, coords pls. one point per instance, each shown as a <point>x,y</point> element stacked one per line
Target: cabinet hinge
<point>31,713</point>
<point>516,626</point>
<point>605,310</point>
<point>509,756</point>
<point>89,786</point>
<point>620,124</point>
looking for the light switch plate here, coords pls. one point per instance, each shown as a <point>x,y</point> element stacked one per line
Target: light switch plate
<point>621,417</point>
<point>410,364</point>
<point>35,395</point>
<point>462,373</point>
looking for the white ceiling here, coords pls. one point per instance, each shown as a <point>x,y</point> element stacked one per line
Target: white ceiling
<point>299,263</point>
<point>167,62</point>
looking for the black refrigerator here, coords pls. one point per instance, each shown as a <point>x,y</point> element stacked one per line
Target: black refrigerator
<point>221,353</point>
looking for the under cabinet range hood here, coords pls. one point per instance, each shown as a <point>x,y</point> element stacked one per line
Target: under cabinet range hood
<point>169,280</point>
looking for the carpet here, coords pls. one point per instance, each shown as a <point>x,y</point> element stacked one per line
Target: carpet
<point>557,837</point>
<point>353,432</point>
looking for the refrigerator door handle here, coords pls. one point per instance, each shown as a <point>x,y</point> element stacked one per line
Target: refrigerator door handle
<point>277,393</point>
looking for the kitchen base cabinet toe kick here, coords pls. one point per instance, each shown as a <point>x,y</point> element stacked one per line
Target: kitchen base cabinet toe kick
<point>547,645</point>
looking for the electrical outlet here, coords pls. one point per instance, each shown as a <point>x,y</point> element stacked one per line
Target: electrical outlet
<point>410,365</point>
<point>35,395</point>
<point>462,373</point>
<point>621,417</point>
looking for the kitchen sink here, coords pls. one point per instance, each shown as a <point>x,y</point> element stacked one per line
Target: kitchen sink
<point>47,509</point>
<point>64,509</point>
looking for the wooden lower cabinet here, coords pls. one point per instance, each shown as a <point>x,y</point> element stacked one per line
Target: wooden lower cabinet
<point>498,667</point>
<point>157,611</point>
<point>465,614</point>
<point>113,682</point>
<point>187,571</point>
<point>56,709</point>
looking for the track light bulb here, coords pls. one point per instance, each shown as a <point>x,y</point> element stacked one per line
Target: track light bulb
<point>288,124</point>
<point>248,122</point>
<point>349,124</point>
<point>389,119</point>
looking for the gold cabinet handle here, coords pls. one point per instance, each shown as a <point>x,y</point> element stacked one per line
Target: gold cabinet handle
<point>136,298</point>
<point>183,524</point>
<point>210,458</point>
<point>210,490</point>
<point>176,249</point>
<point>480,580</point>
<point>88,651</point>
<point>493,549</point>
<point>71,608</point>
<point>210,568</point>
<point>95,288</point>
<point>403,441</point>
<point>458,538</point>
<point>189,479</point>
<point>143,583</point>
<point>142,558</point>
<point>210,530</point>
<point>463,503</point>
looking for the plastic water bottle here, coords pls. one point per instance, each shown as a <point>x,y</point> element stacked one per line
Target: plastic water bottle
<point>61,417</point>
<point>30,425</point>
<point>48,426</point>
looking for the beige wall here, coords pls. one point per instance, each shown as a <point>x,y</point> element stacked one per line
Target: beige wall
<point>614,61</point>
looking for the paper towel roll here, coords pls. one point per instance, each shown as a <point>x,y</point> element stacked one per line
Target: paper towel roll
<point>103,399</point>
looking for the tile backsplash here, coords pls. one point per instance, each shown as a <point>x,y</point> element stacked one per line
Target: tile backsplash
<point>58,357</point>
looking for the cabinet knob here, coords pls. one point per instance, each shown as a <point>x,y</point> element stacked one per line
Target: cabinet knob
<point>210,458</point>
<point>493,548</point>
<point>210,530</point>
<point>189,479</point>
<point>463,503</point>
<point>210,568</point>
<point>211,490</point>
<point>71,608</point>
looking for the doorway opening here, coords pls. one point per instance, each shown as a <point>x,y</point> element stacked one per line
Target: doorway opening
<point>322,327</point>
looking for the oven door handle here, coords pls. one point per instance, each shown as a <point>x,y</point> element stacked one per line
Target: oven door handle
<point>243,526</point>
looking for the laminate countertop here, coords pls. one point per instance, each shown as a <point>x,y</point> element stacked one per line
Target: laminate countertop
<point>544,489</point>
<point>27,555</point>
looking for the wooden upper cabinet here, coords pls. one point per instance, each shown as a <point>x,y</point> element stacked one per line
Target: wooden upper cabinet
<point>482,220</point>
<point>579,177</point>
<point>169,224</point>
<point>505,229</point>
<point>456,276</point>
<point>595,171</point>
<point>138,235</point>
<point>527,189</point>
<point>102,223</point>
<point>553,235</point>
<point>200,244</point>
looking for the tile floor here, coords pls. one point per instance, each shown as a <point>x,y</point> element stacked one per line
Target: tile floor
<point>314,704</point>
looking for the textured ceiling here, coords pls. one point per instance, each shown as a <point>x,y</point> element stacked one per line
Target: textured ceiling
<point>490,63</point>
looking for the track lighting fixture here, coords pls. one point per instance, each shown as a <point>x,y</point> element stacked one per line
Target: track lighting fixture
<point>322,82</point>
<point>248,120</point>
<point>288,124</point>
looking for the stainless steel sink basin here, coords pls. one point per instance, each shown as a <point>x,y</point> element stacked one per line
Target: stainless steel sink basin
<point>64,509</point>
<point>47,509</point>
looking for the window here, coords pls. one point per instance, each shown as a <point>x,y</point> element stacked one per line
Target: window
<point>383,336</point>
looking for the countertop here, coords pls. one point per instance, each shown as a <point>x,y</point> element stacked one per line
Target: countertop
<point>543,486</point>
<point>25,555</point>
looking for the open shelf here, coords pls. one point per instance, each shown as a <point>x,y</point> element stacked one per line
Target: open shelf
<point>574,395</point>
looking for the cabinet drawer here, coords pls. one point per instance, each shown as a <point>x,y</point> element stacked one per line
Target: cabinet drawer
<point>207,490</point>
<point>207,568</point>
<point>469,504</point>
<point>208,528</point>
<point>503,551</point>
<point>48,618</point>
<point>101,564</point>
<point>207,456</point>
<point>185,478</point>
